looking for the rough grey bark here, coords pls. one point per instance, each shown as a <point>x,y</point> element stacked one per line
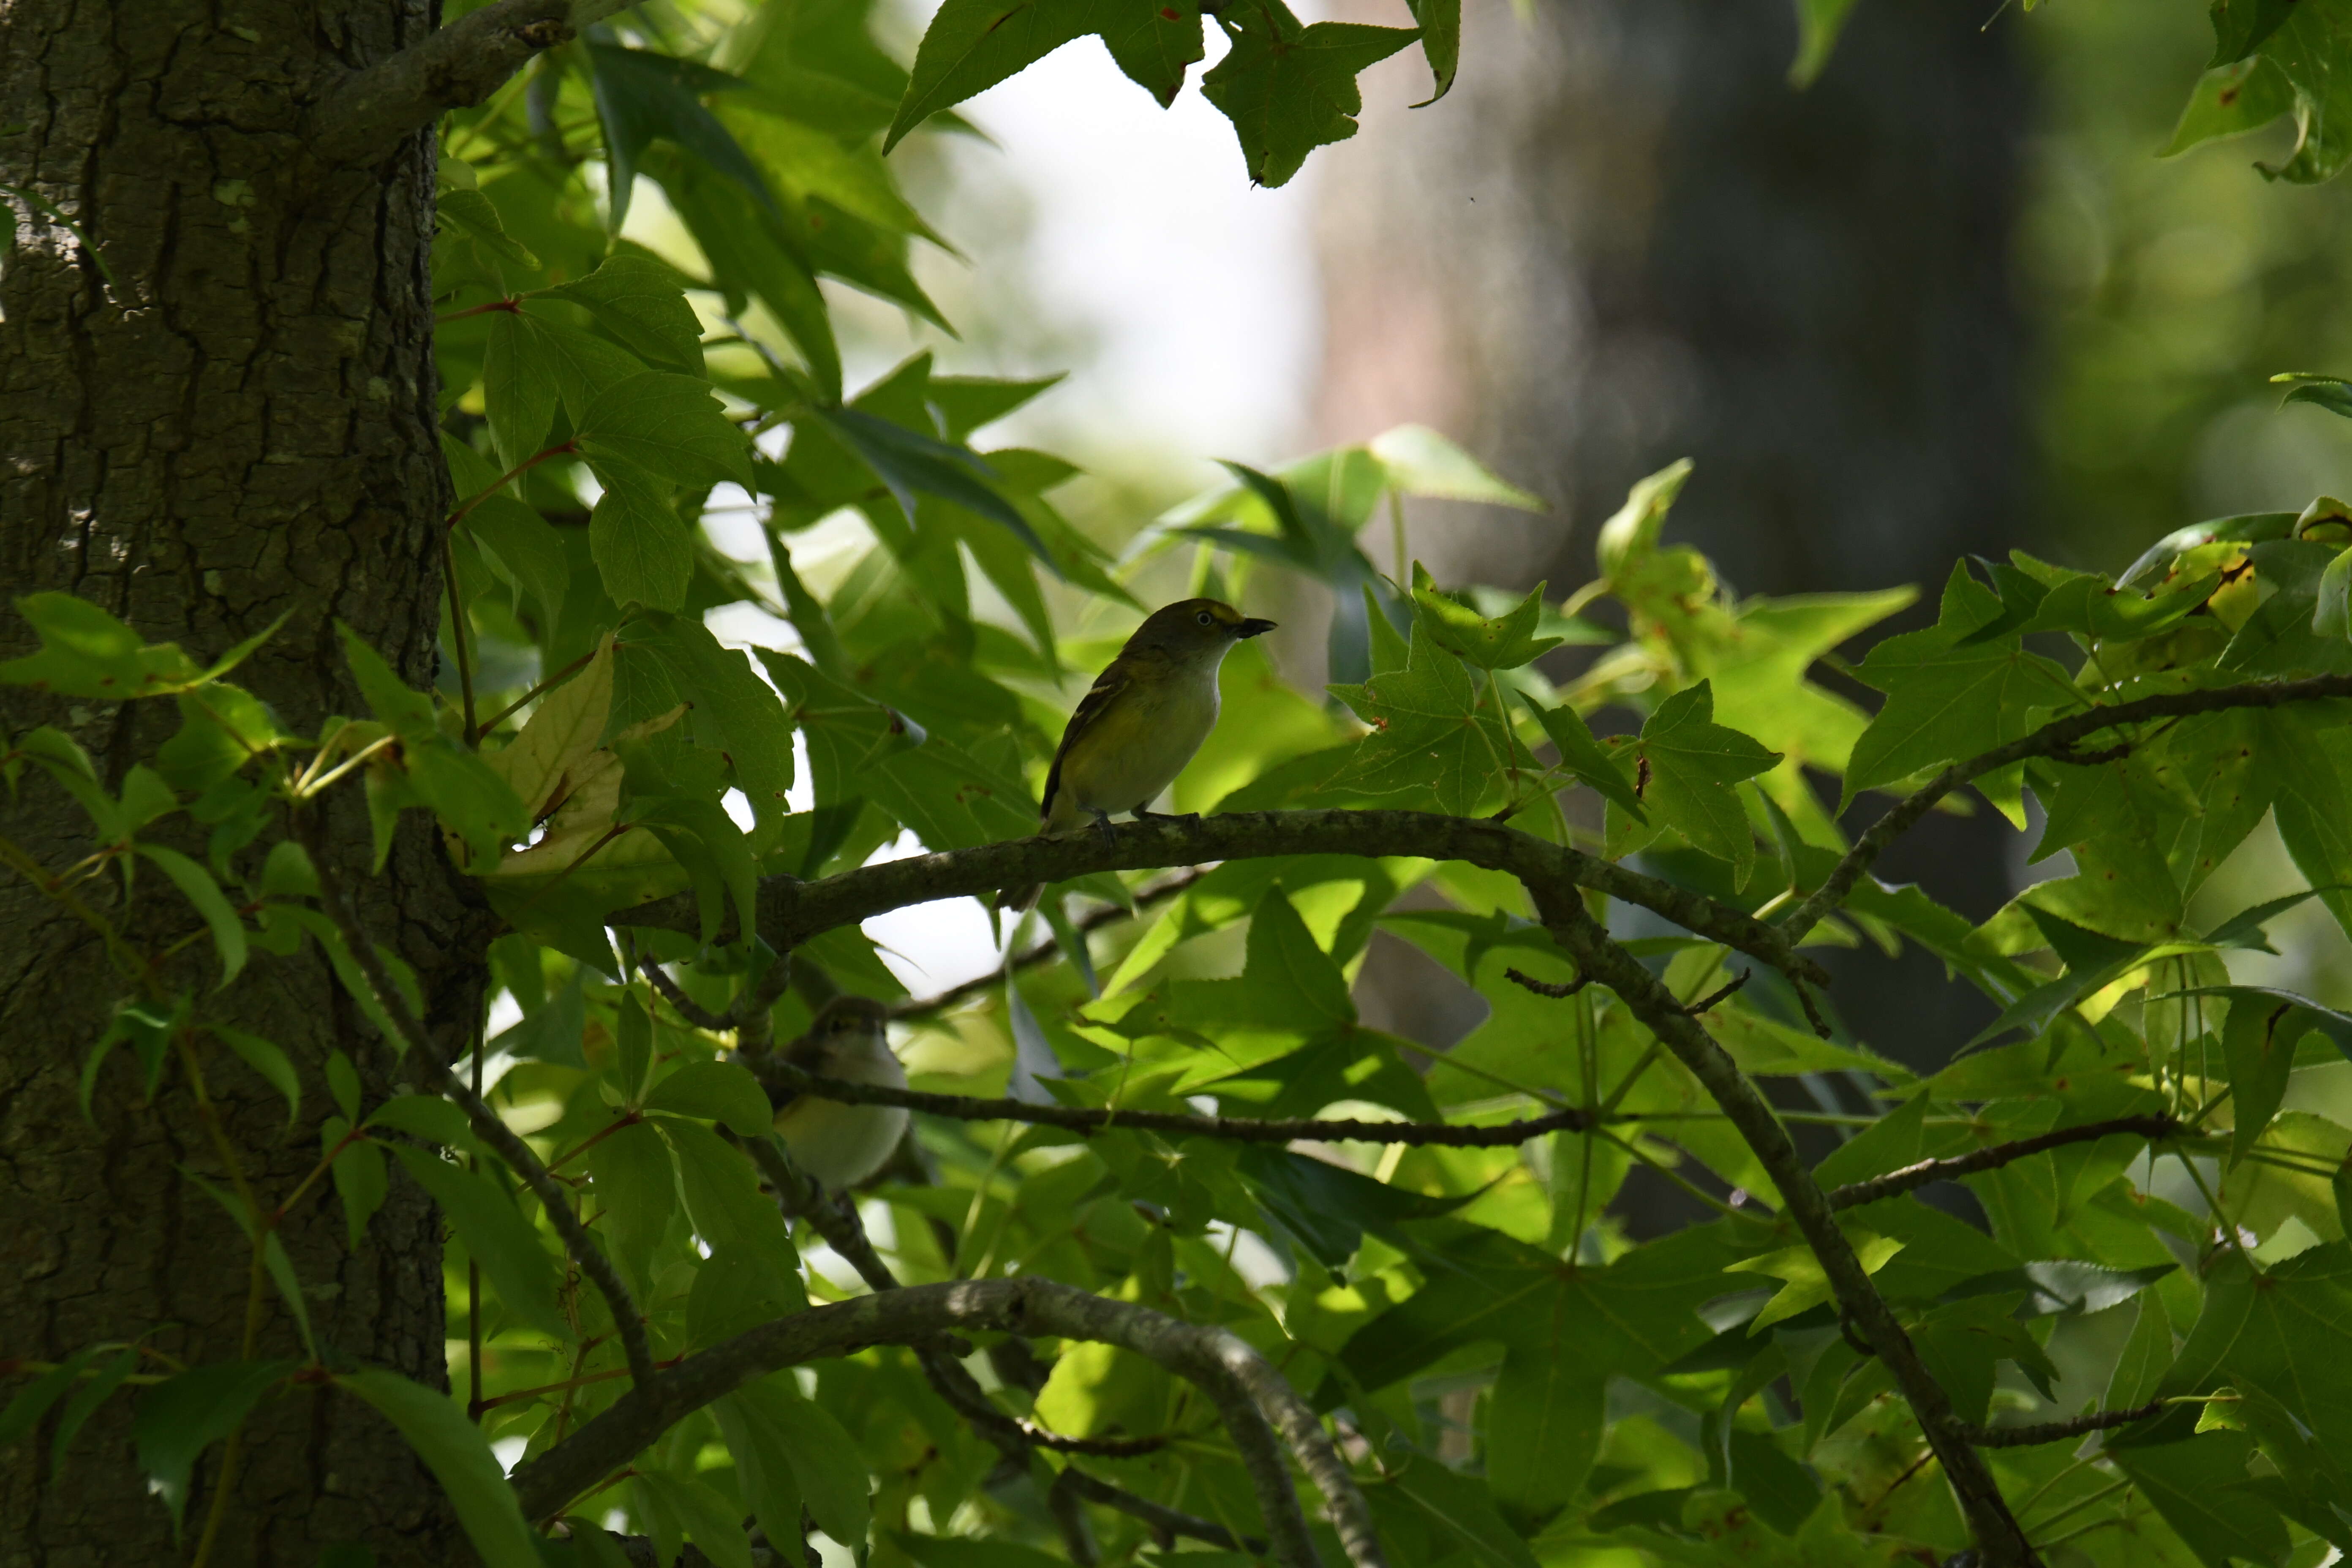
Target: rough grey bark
<point>216,406</point>
<point>1623,239</point>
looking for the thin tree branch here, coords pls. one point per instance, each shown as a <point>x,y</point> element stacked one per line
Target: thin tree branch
<point>364,119</point>
<point>2060,738</point>
<point>1721,994</point>
<point>687,1008</point>
<point>845,1234</point>
<point>789,911</point>
<point>1998,1536</point>
<point>782,1080</point>
<point>2059,1431</point>
<point>1557,990</point>
<point>431,1064</point>
<point>1223,1365</point>
<point>1158,893</point>
<point>1165,1521</point>
<point>2154,1129</point>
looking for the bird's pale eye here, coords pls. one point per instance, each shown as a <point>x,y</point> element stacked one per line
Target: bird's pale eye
<point>1207,620</point>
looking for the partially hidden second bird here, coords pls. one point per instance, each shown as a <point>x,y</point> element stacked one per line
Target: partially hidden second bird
<point>841,1145</point>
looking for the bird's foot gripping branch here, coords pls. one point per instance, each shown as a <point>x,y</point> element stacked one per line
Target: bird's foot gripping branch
<point>1217,1234</point>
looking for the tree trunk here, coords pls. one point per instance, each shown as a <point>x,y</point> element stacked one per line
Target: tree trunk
<point>217,406</point>
<point>1624,238</point>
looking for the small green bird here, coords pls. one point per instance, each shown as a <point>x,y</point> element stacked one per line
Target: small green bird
<point>841,1145</point>
<point>1146,715</point>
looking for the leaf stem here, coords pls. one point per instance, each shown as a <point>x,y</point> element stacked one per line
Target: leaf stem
<point>510,305</point>
<point>457,630</point>
<point>474,1407</point>
<point>542,689</point>
<point>466,507</point>
<point>257,1285</point>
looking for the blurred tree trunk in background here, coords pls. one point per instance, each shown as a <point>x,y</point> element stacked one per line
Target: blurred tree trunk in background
<point>1625,238</point>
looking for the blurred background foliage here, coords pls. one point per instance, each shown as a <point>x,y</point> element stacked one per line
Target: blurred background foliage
<point>2131,306</point>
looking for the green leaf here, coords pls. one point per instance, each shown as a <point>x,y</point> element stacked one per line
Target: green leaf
<point>908,462</point>
<point>2230,100</point>
<point>2307,44</point>
<point>266,1059</point>
<point>1418,461</point>
<point>641,95</point>
<point>668,424</point>
<point>2147,1357</point>
<point>228,931</point>
<point>972,45</point>
<point>715,1091</point>
<point>1946,701</point>
<point>505,1243</point>
<point>584,364</point>
<point>2259,1043</point>
<point>1502,642</point>
<point>1819,23</point>
<point>32,1400</point>
<point>1440,22</point>
<point>1634,530</point>
<point>359,1176</point>
<point>1291,88</point>
<point>637,1187</point>
<point>426,1116</point>
<point>828,1467</point>
<point>178,1419</point>
<point>1329,1208</point>
<point>85,652</point>
<point>1685,765</point>
<point>454,1449</point>
<point>474,212</point>
<point>84,1403</point>
<point>970,1551</point>
<point>1460,1519</point>
<point>2329,392</point>
<point>1432,735</point>
<point>639,300</point>
<point>1803,1283</point>
<point>750,255</point>
<point>519,389</point>
<point>1544,1423</point>
<point>644,550</point>
<point>2240,25</point>
<point>2196,1487</point>
<point>279,1267</point>
<point>2308,759</point>
<point>735,712</point>
<point>2332,615</point>
<point>470,799</point>
<point>722,1194</point>
<point>343,1084</point>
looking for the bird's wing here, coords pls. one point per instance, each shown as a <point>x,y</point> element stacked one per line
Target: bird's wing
<point>1116,678</point>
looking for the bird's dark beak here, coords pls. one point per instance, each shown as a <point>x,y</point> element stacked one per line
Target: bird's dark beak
<point>1254,628</point>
